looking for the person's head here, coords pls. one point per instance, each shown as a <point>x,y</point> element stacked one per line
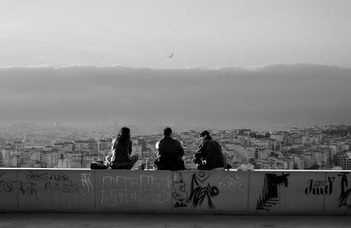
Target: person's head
<point>205,135</point>
<point>167,131</point>
<point>123,134</point>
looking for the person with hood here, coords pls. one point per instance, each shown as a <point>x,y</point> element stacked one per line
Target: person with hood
<point>209,154</point>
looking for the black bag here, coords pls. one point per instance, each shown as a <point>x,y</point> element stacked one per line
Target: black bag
<point>98,165</point>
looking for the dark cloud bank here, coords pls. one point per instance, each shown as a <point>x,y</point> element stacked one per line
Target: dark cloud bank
<point>267,96</point>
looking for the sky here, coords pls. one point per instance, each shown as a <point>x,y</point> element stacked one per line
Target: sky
<point>201,33</point>
<point>257,63</point>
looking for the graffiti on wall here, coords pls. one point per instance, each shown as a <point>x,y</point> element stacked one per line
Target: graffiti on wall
<point>179,193</point>
<point>232,183</point>
<point>18,187</point>
<point>345,195</point>
<point>320,187</point>
<point>61,182</point>
<point>145,189</point>
<point>201,189</point>
<point>271,190</point>
<point>37,181</point>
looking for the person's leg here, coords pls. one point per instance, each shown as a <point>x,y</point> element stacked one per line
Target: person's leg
<point>125,165</point>
<point>219,169</point>
<point>98,165</point>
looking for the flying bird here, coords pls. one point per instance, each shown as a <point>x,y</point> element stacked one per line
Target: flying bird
<point>171,56</point>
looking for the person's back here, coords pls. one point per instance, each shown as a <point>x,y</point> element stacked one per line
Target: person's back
<point>170,153</point>
<point>209,155</point>
<point>122,150</point>
<point>215,158</point>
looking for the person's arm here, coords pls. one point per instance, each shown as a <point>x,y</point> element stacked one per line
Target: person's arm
<point>199,154</point>
<point>113,151</point>
<point>130,147</point>
<point>180,150</point>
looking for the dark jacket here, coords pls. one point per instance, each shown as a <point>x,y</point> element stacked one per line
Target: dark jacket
<point>209,155</point>
<point>169,155</point>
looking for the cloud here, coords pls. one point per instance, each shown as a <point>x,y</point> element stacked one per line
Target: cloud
<point>13,25</point>
<point>223,97</point>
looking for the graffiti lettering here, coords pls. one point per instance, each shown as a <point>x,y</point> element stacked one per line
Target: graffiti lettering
<point>345,195</point>
<point>87,186</point>
<point>38,176</point>
<point>200,190</point>
<point>49,182</point>
<point>42,176</point>
<point>63,187</point>
<point>59,177</point>
<point>62,182</point>
<point>320,187</point>
<point>17,187</point>
<point>120,190</point>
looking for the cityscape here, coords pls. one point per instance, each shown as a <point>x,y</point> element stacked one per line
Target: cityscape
<point>59,145</point>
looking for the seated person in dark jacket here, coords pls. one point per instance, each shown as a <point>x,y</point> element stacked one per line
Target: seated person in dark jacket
<point>209,155</point>
<point>170,152</point>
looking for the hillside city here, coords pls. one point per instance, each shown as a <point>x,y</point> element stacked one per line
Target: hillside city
<point>64,146</point>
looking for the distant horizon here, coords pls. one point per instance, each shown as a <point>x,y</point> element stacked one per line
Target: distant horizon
<point>158,129</point>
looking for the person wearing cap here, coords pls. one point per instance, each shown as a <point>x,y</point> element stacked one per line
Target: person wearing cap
<point>169,152</point>
<point>209,154</point>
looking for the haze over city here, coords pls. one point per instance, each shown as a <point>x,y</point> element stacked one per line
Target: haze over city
<point>219,98</point>
<point>260,64</point>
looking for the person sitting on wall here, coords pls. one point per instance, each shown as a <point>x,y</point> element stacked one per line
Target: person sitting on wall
<point>120,157</point>
<point>169,153</point>
<point>121,151</point>
<point>209,154</point>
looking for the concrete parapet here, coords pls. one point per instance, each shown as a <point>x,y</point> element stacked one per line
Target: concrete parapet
<point>262,192</point>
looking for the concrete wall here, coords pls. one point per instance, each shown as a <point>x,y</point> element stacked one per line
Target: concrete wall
<point>263,192</point>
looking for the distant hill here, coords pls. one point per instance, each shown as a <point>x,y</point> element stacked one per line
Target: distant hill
<point>265,96</point>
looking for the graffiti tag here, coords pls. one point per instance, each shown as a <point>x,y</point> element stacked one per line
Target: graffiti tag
<point>201,190</point>
<point>232,184</point>
<point>320,187</point>
<point>118,190</point>
<point>179,193</point>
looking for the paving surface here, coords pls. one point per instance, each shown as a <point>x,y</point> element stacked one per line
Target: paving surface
<point>26,220</point>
